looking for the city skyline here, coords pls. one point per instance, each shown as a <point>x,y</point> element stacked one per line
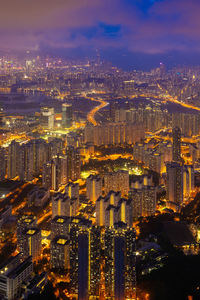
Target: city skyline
<point>131,34</point>
<point>99,150</point>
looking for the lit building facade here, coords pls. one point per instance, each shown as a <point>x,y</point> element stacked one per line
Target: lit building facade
<point>67,115</point>
<point>93,187</point>
<point>59,253</point>
<point>175,182</point>
<point>176,135</point>
<point>117,181</point>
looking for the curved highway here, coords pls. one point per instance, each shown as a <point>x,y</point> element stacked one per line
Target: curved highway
<point>91,114</point>
<point>175,100</point>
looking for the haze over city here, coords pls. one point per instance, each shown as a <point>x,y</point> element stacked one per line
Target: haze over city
<point>132,34</point>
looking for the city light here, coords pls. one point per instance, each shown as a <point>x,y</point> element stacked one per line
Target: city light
<point>99,150</point>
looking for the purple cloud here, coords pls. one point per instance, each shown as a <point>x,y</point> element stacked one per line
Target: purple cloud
<point>162,26</point>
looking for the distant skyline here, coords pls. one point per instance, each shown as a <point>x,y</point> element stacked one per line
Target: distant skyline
<point>132,34</point>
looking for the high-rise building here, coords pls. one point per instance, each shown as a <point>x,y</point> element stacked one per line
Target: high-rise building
<point>94,187</point>
<point>83,264</point>
<point>120,275</point>
<point>13,159</point>
<point>175,182</point>
<point>2,163</point>
<point>130,265</point>
<point>106,209</point>
<point>60,205</point>
<point>143,200</point>
<point>60,226</point>
<point>176,135</point>
<point>114,133</point>
<point>95,261</point>
<point>67,115</point>
<point>26,162</point>
<point>109,263</point>
<point>113,209</point>
<point>25,222</point>
<point>79,257</point>
<point>54,147</point>
<point>138,152</point>
<point>72,190</point>
<point>47,175</point>
<point>110,216</point>
<point>188,180</point>
<point>13,275</point>
<point>187,122</point>
<point>142,181</point>
<point>114,105</point>
<point>55,172</point>
<point>117,181</point>
<point>40,155</point>
<point>59,252</point>
<point>100,211</point>
<point>136,194</point>
<point>47,117</point>
<point>2,115</point>
<point>73,163</point>
<point>31,243</point>
<point>149,200</point>
<point>95,248</point>
<point>124,212</point>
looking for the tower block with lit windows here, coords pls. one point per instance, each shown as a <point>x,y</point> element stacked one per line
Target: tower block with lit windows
<point>176,136</point>
<point>67,115</point>
<point>120,274</point>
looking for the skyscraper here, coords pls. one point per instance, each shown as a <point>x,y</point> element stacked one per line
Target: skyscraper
<point>79,257</point>
<point>47,175</point>
<point>73,163</point>
<point>60,253</point>
<point>2,163</point>
<point>95,261</point>
<point>176,135</point>
<point>60,205</point>
<point>72,190</point>
<point>59,171</point>
<point>60,226</point>
<point>175,182</point>
<point>47,117</point>
<point>120,275</point>
<point>66,115</point>
<point>25,222</point>
<point>113,209</point>
<point>31,245</point>
<point>13,159</point>
<point>143,200</point>
<point>188,180</point>
<point>25,158</point>
<point>13,275</point>
<point>117,181</point>
<point>40,155</point>
<point>94,187</point>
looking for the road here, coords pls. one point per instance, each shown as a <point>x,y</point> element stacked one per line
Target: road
<point>91,114</point>
<point>169,98</point>
<point>103,103</point>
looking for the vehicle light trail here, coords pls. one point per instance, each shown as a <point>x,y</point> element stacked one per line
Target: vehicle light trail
<point>91,114</point>
<point>174,100</point>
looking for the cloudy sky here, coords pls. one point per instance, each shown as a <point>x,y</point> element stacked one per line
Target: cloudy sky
<point>132,33</point>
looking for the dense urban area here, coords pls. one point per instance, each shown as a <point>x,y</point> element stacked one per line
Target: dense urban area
<point>99,180</point>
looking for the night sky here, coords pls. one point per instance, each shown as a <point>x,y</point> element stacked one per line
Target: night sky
<point>131,33</point>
